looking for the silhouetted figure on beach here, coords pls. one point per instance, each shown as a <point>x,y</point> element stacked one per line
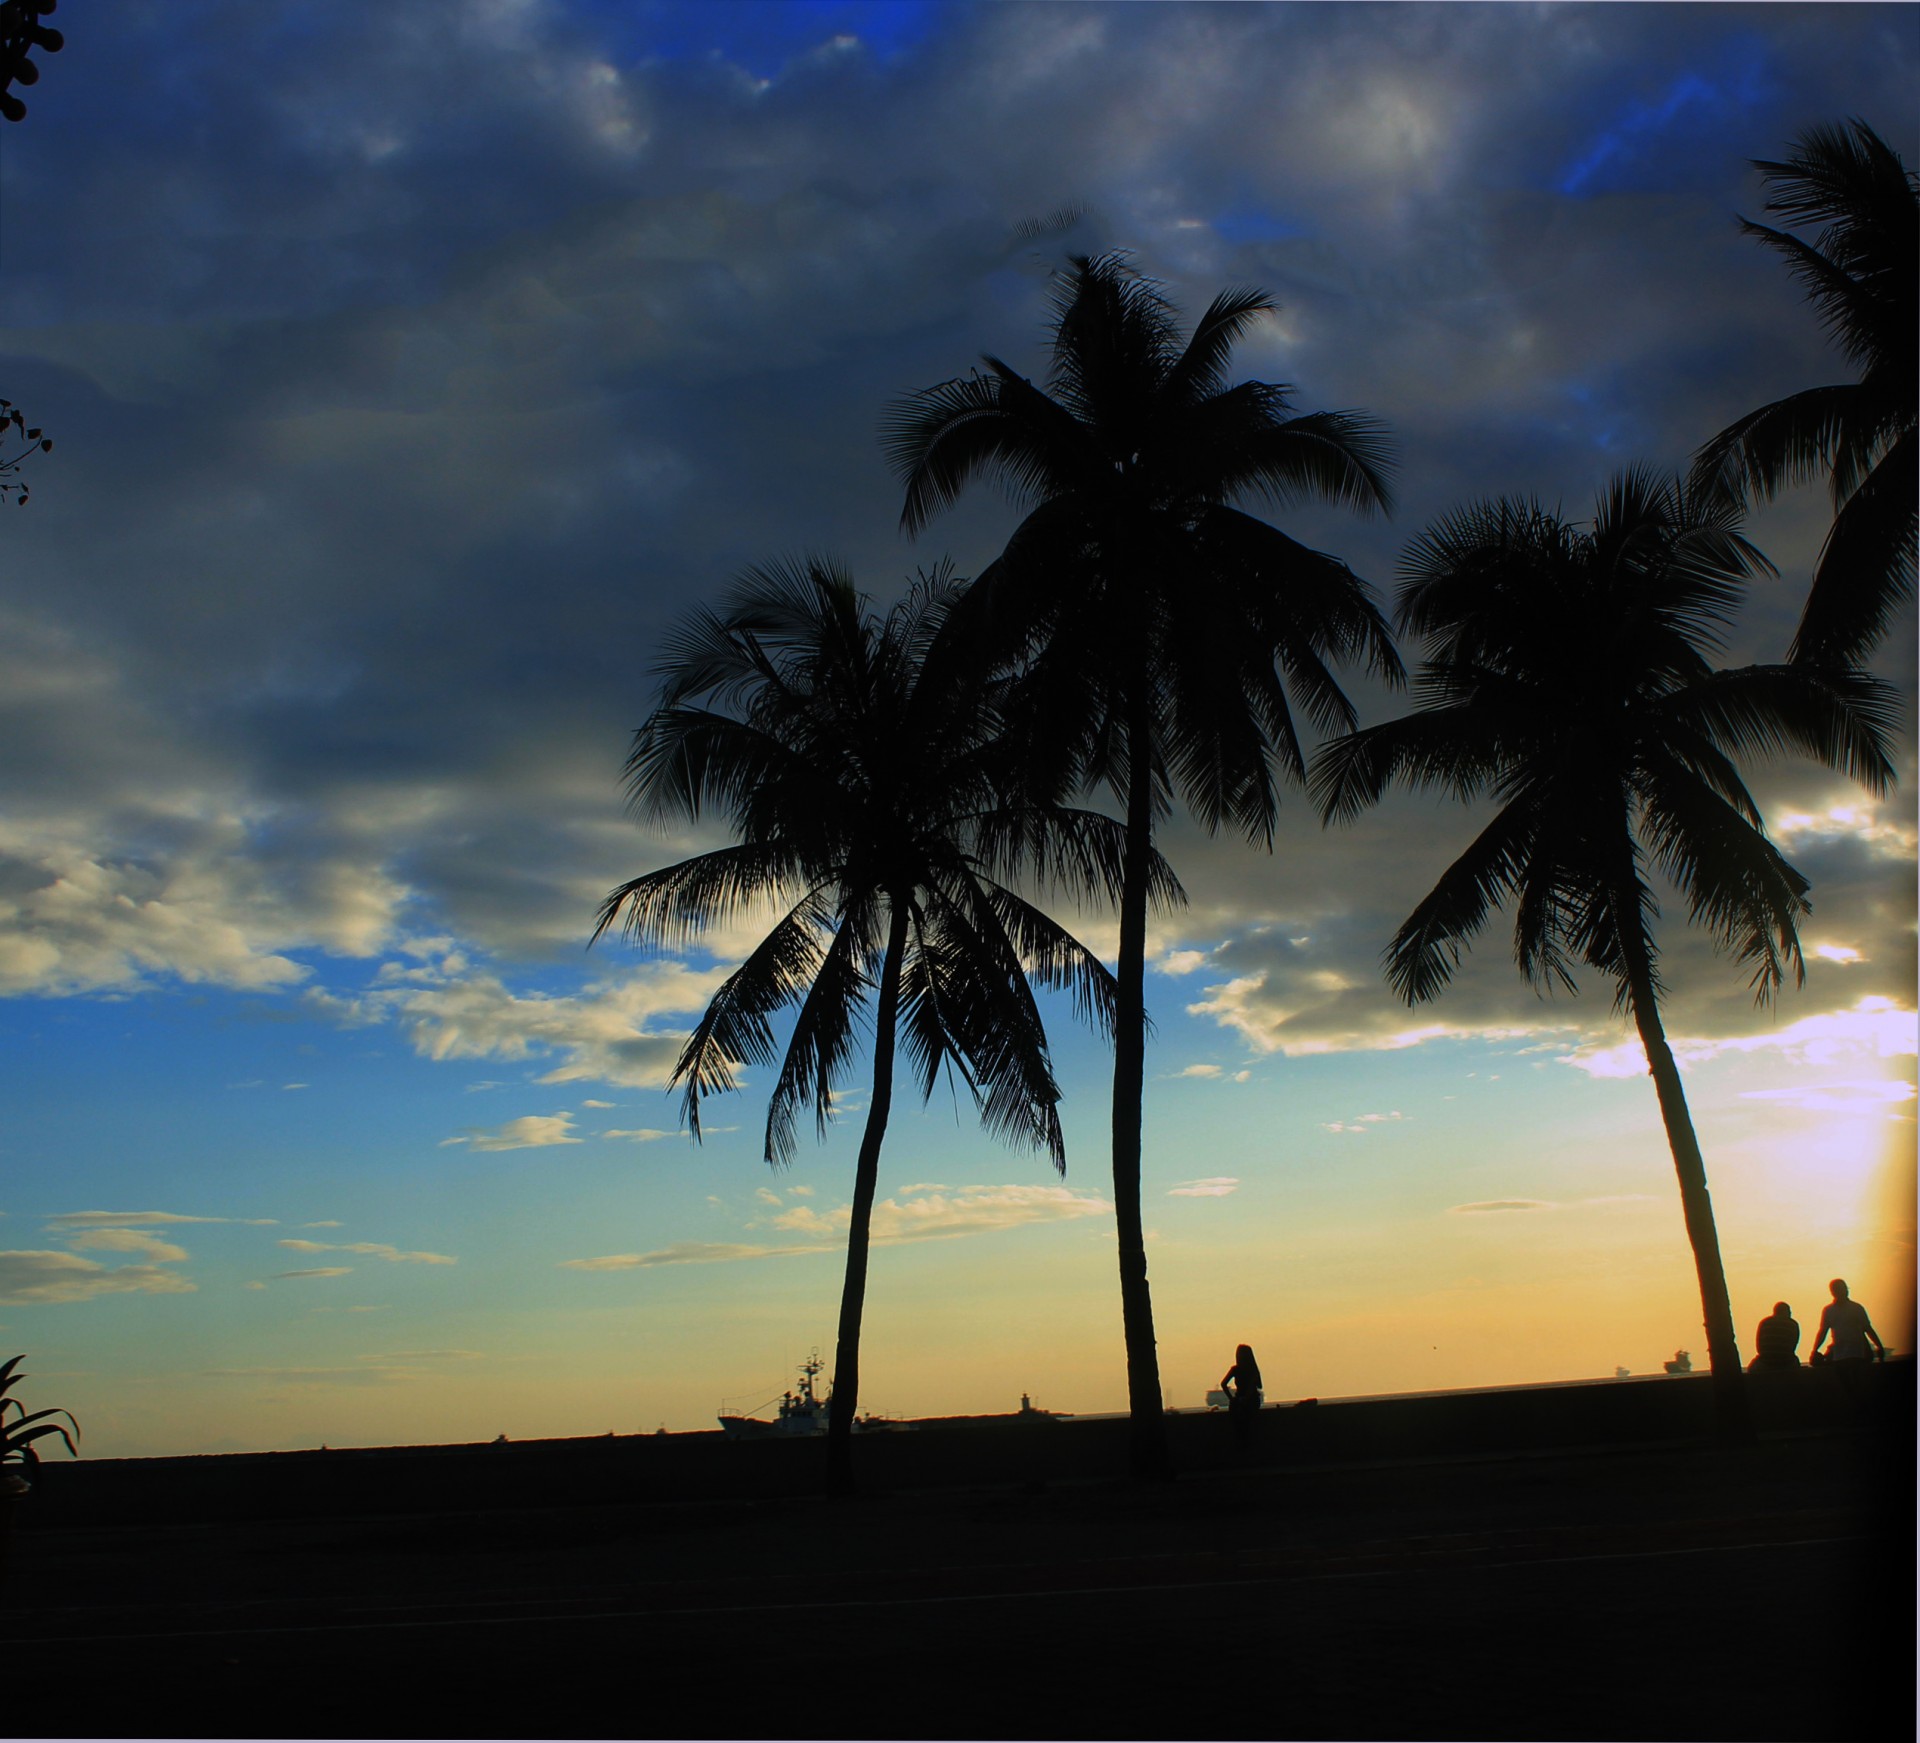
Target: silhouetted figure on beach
<point>1777,1342</point>
<point>1241,1383</point>
<point>1845,1321</point>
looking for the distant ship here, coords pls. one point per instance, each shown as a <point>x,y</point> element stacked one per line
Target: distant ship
<point>801,1414</point>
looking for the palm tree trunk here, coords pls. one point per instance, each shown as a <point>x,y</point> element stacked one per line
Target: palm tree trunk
<point>866,1174</point>
<point>1731,1409</point>
<point>1147,1444</point>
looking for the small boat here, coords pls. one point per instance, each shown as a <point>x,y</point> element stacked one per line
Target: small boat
<point>1682,1363</point>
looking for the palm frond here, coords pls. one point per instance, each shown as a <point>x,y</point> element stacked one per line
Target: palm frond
<point>671,907</point>
<point>1426,950</point>
<point>940,439</point>
<point>1779,445</point>
<point>1737,883</point>
<point>1844,720</point>
<point>1344,458</point>
<point>735,1026</point>
<point>1201,372</point>
<point>1866,567</point>
<point>822,1043</point>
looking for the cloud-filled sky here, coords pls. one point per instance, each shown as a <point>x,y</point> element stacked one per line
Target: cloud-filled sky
<point>410,375</point>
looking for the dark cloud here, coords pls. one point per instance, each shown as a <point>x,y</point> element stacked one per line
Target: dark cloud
<point>409,378</point>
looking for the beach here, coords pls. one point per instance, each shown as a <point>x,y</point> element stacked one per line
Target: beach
<point>1473,1565</point>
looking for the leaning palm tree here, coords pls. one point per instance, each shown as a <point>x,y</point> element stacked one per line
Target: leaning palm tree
<point>859,763</point>
<point>1862,273</point>
<point>1566,675</point>
<point>1163,630</point>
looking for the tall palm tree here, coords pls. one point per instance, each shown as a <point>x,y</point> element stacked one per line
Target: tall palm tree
<point>1163,629</point>
<point>1567,676</point>
<point>1862,274</point>
<point>858,762</point>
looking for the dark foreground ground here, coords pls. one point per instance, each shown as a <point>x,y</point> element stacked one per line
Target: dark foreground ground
<point>1586,1565</point>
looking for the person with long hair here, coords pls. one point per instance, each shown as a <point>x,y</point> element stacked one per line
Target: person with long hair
<point>1241,1383</point>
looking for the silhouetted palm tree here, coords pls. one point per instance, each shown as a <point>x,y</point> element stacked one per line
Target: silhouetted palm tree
<point>1862,273</point>
<point>1566,675</point>
<point>1163,629</point>
<point>858,763</point>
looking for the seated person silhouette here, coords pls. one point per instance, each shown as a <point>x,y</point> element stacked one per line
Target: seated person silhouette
<point>1845,1320</point>
<point>1777,1341</point>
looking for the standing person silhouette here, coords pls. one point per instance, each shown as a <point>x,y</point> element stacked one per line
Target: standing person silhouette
<point>1845,1320</point>
<point>1241,1383</point>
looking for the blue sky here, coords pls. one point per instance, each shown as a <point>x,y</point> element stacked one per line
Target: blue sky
<point>408,382</point>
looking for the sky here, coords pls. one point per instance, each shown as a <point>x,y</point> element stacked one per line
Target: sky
<point>412,373</point>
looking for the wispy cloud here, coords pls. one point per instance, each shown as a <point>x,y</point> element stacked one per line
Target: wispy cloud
<point>1216,1186</point>
<point>691,1253</point>
<point>373,1249</point>
<point>386,1367</point>
<point>919,1213</point>
<point>1493,1205</point>
<point>150,1247</point>
<point>941,1215</point>
<point>1874,1027</point>
<point>1361,1124</point>
<point>33,1278</point>
<point>319,1271</point>
<point>529,1132</point>
<point>1854,1096</point>
<point>74,1219</point>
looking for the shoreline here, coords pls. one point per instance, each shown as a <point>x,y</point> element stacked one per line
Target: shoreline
<point>707,1465</point>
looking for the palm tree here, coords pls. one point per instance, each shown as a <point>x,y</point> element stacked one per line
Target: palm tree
<point>1860,273</point>
<point>859,764</point>
<point>1566,675</point>
<point>1162,629</point>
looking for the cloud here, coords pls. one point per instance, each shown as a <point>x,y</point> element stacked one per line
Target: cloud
<point>209,908</point>
<point>1874,1028</point>
<point>319,1271</point>
<point>921,1213</point>
<point>604,1033</point>
<point>1361,1124</point>
<point>1216,1186</point>
<point>1198,1071</point>
<point>387,1367</point>
<point>30,1278</point>
<point>1855,1096</point>
<point>373,1249</point>
<point>108,1240</point>
<point>937,1214</point>
<point>589,1102</point>
<point>1490,1205</point>
<point>96,1218</point>
<point>690,1253</point>
<point>640,1134</point>
<point>529,1132</point>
